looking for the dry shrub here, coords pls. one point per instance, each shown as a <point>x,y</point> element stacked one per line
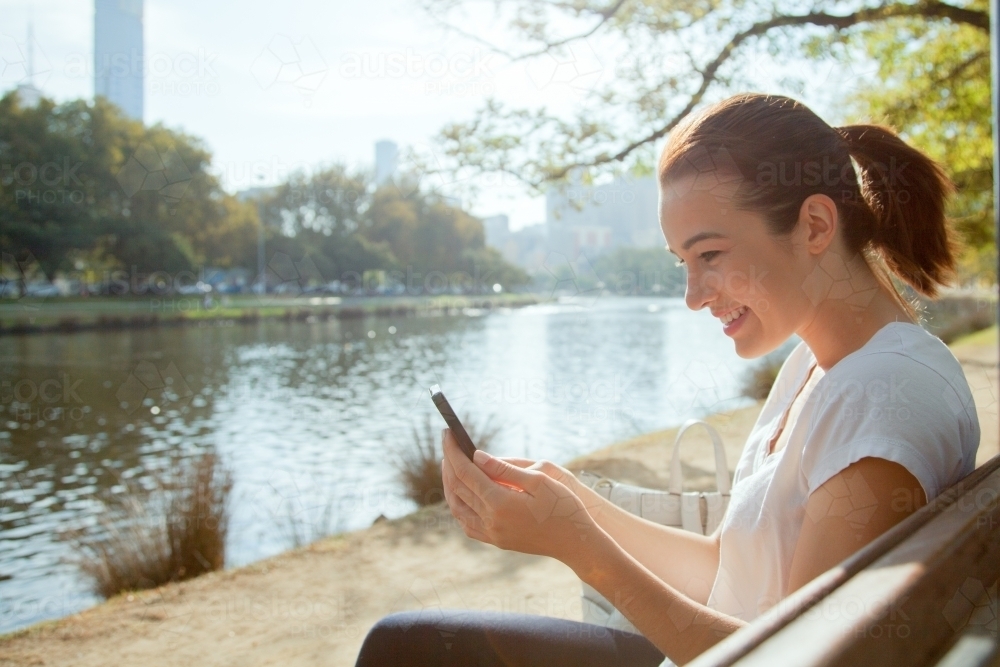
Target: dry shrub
<point>176,532</point>
<point>419,465</point>
<point>758,381</point>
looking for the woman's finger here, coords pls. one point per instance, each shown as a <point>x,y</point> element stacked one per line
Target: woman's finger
<point>450,482</point>
<point>469,473</point>
<point>519,462</point>
<point>500,471</point>
<point>472,500</point>
<point>465,515</point>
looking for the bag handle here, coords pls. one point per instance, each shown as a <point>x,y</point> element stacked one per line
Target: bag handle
<point>676,482</point>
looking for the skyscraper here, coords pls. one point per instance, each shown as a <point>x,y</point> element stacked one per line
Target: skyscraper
<point>386,160</point>
<point>118,54</point>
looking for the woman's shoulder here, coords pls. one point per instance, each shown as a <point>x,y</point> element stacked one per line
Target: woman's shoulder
<point>903,371</point>
<point>902,396</point>
<point>906,354</point>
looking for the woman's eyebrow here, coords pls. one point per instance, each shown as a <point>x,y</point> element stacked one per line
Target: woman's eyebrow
<point>701,236</point>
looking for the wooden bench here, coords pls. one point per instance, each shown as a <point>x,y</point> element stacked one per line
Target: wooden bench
<point>922,593</point>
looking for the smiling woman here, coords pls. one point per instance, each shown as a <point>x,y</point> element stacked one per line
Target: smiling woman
<point>781,235</point>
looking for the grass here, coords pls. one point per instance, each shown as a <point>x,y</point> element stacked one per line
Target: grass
<point>419,465</point>
<point>981,337</point>
<point>176,532</point>
<point>72,314</point>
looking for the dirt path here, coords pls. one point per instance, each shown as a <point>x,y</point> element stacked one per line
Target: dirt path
<point>314,605</point>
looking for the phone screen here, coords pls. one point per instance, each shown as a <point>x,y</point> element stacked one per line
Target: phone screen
<point>444,407</point>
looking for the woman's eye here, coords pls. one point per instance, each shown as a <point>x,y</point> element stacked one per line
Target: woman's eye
<point>707,256</point>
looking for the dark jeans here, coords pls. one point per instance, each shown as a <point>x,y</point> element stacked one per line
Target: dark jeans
<point>465,638</point>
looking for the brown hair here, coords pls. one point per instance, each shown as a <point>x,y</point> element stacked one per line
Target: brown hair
<point>779,152</point>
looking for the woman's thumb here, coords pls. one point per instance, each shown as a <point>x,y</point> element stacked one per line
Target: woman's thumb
<point>500,470</point>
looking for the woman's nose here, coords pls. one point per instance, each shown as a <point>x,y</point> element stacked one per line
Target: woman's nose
<point>702,289</point>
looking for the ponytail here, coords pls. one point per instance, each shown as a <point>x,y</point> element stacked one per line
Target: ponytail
<point>905,193</point>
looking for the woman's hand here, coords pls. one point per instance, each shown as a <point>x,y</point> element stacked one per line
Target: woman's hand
<point>553,470</point>
<point>546,519</point>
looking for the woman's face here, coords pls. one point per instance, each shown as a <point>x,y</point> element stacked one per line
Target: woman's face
<point>734,265</point>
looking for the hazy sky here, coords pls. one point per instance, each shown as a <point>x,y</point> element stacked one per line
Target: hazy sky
<point>355,72</point>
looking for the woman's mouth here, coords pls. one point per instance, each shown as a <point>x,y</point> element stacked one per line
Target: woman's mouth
<point>732,321</point>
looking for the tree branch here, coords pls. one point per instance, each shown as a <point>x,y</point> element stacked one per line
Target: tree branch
<point>932,8</point>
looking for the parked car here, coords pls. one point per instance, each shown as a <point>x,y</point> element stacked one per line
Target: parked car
<point>197,288</point>
<point>41,290</point>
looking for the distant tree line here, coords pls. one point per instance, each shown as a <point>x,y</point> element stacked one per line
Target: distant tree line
<point>85,190</point>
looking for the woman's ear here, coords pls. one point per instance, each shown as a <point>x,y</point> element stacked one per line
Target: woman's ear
<point>819,219</point>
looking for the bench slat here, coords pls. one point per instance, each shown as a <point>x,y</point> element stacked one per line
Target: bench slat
<point>973,649</point>
<point>739,644</point>
<point>907,606</point>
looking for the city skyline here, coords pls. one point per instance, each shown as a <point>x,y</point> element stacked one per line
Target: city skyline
<point>303,86</point>
<point>261,113</point>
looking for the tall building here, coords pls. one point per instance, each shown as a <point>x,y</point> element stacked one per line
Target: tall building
<point>594,219</point>
<point>118,54</point>
<point>28,93</point>
<point>496,229</point>
<point>386,160</point>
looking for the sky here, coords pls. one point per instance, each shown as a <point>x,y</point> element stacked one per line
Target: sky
<point>275,87</point>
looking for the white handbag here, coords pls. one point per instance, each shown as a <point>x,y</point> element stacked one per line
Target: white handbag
<point>698,511</point>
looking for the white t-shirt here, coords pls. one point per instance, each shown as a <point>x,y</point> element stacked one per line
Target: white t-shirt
<point>902,396</point>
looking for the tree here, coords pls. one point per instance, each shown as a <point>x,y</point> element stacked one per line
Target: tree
<point>345,225</point>
<point>674,57</point>
<point>80,185</point>
<point>934,84</point>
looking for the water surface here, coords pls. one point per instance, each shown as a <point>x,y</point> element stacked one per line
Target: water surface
<point>311,416</point>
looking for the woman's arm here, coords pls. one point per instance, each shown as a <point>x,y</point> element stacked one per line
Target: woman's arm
<point>548,519</point>
<point>685,560</point>
<point>848,511</point>
<point>677,625</point>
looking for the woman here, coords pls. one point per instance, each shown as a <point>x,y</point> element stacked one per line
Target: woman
<point>869,418</point>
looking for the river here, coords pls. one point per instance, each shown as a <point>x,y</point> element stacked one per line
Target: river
<point>310,416</point>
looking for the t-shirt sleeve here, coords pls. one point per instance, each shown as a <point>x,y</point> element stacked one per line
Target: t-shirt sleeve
<point>892,407</point>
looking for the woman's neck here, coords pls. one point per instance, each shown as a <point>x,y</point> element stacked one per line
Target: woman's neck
<point>840,328</point>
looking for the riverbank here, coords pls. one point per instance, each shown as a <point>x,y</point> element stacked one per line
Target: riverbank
<point>27,316</point>
<point>313,606</point>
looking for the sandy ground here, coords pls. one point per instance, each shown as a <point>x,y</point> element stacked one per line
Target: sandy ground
<point>314,605</point>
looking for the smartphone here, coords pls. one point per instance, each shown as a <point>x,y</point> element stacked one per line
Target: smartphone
<point>444,407</point>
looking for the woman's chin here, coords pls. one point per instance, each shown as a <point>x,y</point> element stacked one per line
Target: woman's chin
<point>751,348</point>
